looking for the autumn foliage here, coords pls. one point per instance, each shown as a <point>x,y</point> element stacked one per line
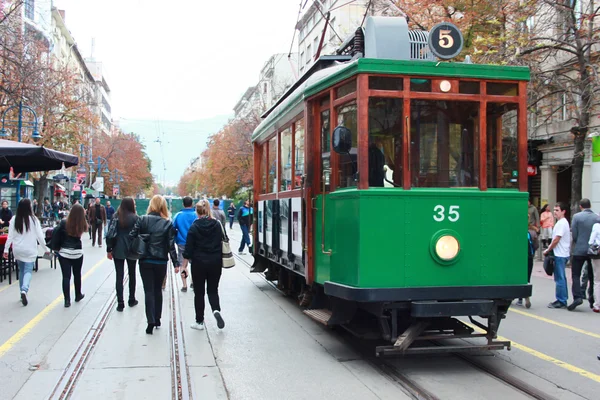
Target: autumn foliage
<point>226,165</point>
<point>123,152</point>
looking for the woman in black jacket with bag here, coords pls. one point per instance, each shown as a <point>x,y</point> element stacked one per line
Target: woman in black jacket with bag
<point>203,248</point>
<point>118,243</point>
<point>157,232</point>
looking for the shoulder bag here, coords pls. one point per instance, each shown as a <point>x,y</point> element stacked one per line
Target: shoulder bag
<point>111,232</point>
<point>56,239</point>
<point>138,247</point>
<point>228,259</point>
<point>549,264</point>
<point>594,251</point>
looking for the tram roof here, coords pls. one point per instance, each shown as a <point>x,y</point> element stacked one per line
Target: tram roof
<point>283,111</point>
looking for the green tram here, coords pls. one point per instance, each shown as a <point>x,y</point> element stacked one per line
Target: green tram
<point>391,191</point>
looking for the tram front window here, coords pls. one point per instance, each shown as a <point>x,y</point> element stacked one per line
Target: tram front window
<point>385,142</point>
<point>444,137</point>
<point>502,146</point>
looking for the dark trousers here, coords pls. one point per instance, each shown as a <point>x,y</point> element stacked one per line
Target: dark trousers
<point>67,265</point>
<point>209,277</point>
<point>587,276</point>
<point>152,278</point>
<point>120,270</point>
<point>529,268</point>
<point>245,238</point>
<point>576,265</point>
<point>97,232</point>
<point>230,222</point>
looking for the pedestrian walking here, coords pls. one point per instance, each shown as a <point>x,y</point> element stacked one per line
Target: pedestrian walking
<point>203,248</point>
<point>561,246</point>
<point>97,218</point>
<point>6,215</point>
<point>244,220</point>
<point>24,235</point>
<point>595,241</point>
<point>118,244</point>
<point>534,217</point>
<point>66,239</point>
<point>532,246</point>
<point>110,212</point>
<point>182,222</point>
<point>583,223</point>
<point>47,209</point>
<point>218,214</point>
<point>231,214</point>
<point>547,223</point>
<point>159,235</point>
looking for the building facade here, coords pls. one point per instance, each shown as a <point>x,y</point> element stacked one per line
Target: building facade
<point>101,93</point>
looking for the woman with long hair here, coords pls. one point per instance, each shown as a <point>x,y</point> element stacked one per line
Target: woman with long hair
<point>70,251</point>
<point>547,222</point>
<point>117,249</point>
<point>203,248</point>
<point>24,234</point>
<point>159,235</point>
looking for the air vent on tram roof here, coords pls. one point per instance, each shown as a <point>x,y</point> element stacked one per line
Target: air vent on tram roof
<point>389,38</point>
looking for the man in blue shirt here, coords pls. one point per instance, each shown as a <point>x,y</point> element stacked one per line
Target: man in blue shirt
<point>244,215</point>
<point>182,223</point>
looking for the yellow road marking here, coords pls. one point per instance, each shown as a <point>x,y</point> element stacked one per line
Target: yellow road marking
<point>5,287</point>
<point>549,321</point>
<point>545,357</point>
<point>17,337</point>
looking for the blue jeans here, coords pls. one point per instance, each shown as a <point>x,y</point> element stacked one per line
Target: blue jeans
<point>245,238</point>
<point>25,270</point>
<point>230,222</point>
<point>562,294</point>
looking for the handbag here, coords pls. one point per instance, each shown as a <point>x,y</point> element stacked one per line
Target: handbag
<point>111,232</point>
<point>228,258</point>
<point>56,240</point>
<point>594,251</point>
<point>549,262</point>
<point>138,247</point>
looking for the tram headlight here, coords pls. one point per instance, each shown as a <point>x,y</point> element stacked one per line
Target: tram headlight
<point>447,247</point>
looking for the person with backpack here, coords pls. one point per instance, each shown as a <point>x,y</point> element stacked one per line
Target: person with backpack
<point>24,235</point>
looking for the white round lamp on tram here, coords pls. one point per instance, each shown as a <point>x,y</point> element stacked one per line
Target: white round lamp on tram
<point>447,247</point>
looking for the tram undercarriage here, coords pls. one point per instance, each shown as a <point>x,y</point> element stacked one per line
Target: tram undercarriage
<point>410,327</point>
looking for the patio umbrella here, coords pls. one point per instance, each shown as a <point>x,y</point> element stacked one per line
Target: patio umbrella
<point>24,157</point>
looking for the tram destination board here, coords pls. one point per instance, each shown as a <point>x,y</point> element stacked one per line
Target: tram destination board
<point>445,40</point>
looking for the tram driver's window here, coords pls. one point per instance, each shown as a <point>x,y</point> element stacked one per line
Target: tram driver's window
<point>347,116</point>
<point>325,150</point>
<point>272,179</point>
<point>502,145</point>
<point>444,137</point>
<point>263,168</point>
<point>385,142</point>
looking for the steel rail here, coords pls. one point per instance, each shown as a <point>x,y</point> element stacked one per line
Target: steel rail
<point>180,373</point>
<point>68,380</point>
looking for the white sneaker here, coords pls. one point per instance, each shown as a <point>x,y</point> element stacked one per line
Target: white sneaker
<point>197,326</point>
<point>241,253</point>
<point>220,322</point>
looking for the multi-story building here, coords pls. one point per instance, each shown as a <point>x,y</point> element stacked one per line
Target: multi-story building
<point>344,18</point>
<point>37,15</point>
<point>277,75</point>
<point>101,93</point>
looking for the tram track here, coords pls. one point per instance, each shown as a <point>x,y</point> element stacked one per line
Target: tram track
<point>412,387</point>
<point>180,373</point>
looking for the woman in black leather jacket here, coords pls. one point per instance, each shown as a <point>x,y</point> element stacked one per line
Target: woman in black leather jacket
<point>117,249</point>
<point>160,243</point>
<point>204,248</point>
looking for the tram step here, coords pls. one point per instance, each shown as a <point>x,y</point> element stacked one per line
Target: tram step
<point>319,315</point>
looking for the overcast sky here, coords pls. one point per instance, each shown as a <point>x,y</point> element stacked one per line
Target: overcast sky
<point>180,60</point>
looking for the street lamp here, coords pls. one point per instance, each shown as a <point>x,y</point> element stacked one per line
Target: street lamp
<point>20,123</point>
<point>116,177</point>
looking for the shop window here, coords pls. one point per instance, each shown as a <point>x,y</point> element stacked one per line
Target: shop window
<point>286,160</point>
<point>502,146</point>
<point>272,166</point>
<point>385,142</point>
<point>443,137</point>
<point>347,117</point>
<point>299,153</point>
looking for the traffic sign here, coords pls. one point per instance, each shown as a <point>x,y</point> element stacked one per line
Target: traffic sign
<point>445,40</point>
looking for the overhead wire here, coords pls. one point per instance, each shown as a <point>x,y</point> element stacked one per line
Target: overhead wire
<point>366,11</point>
<point>294,35</point>
<point>329,22</point>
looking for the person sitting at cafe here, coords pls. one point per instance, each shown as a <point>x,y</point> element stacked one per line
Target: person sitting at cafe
<point>5,215</point>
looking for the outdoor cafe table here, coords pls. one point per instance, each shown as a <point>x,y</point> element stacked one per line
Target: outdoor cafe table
<point>6,266</point>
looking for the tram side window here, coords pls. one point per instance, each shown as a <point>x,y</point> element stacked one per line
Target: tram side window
<point>263,169</point>
<point>272,180</point>
<point>325,148</point>
<point>286,160</point>
<point>347,116</point>
<point>299,153</point>
<point>502,147</point>
<point>443,138</point>
<point>385,142</point>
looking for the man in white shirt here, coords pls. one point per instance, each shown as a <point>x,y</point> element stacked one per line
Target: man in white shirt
<point>561,244</point>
